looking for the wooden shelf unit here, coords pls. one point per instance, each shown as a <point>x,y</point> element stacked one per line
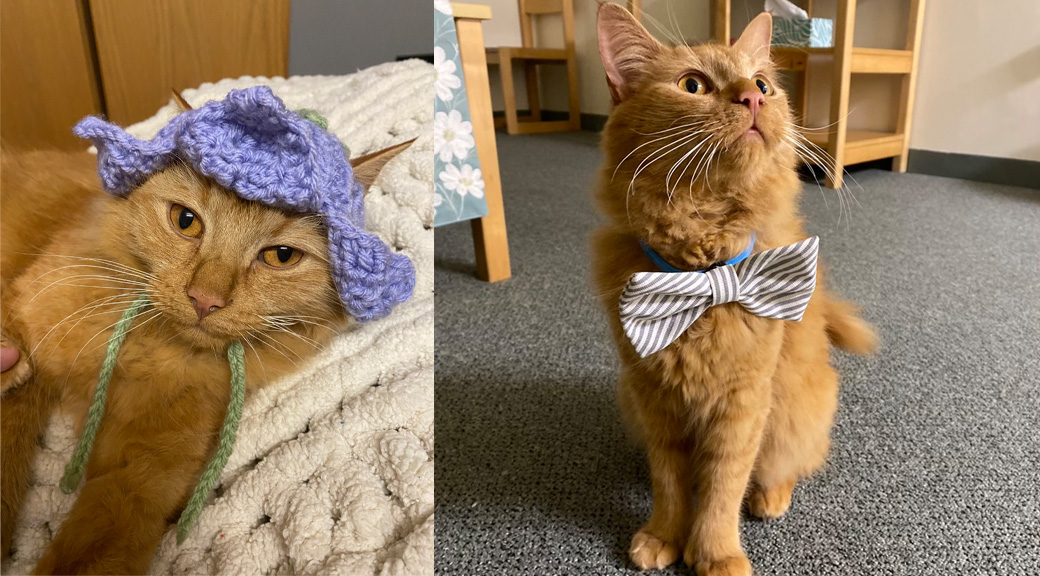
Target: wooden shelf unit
<point>845,146</point>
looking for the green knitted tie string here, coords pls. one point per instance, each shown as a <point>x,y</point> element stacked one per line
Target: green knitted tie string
<point>237,359</point>
<point>76,467</point>
<point>74,471</point>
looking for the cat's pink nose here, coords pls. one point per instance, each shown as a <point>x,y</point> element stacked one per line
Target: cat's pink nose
<point>753,99</point>
<point>205,304</point>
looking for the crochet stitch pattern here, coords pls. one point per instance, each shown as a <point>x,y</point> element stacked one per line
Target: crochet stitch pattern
<point>251,144</point>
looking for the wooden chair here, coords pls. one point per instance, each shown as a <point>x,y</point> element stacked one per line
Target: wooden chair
<point>531,57</point>
<point>489,233</point>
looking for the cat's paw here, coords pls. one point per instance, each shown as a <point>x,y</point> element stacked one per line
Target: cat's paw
<point>769,503</point>
<point>649,552</point>
<point>18,374</point>
<point>732,566</point>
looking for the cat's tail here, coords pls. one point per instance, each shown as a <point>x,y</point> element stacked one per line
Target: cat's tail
<point>847,330</point>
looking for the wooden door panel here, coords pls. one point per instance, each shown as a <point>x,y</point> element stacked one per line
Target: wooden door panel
<point>147,48</point>
<point>49,79</point>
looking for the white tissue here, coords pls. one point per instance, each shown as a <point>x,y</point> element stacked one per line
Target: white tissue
<point>784,9</point>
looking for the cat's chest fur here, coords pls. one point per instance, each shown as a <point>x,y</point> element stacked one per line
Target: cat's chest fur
<point>725,348</point>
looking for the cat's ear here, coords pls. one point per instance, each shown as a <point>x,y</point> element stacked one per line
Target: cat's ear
<point>756,37</point>
<point>625,48</point>
<point>181,102</point>
<point>367,167</point>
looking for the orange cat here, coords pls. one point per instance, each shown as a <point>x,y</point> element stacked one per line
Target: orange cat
<point>700,162</point>
<point>217,268</point>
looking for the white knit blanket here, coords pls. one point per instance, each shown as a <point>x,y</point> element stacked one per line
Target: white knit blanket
<point>332,472</point>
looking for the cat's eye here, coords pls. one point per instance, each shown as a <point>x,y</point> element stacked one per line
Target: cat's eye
<point>762,86</point>
<point>185,221</point>
<point>694,84</point>
<point>280,256</point>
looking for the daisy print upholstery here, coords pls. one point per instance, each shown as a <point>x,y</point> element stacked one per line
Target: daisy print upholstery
<point>459,185</point>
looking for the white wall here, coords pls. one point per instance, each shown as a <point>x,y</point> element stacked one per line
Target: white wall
<point>336,37</point>
<point>978,87</point>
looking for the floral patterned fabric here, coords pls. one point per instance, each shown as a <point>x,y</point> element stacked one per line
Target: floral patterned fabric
<point>459,187</point>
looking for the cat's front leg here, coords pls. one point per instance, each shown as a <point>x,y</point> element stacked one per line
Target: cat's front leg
<point>20,371</point>
<point>118,519</point>
<point>660,541</point>
<point>23,412</point>
<point>728,438</point>
<point>140,475</point>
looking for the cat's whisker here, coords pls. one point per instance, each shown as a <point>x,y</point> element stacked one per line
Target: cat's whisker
<point>124,299</point>
<point>673,126</point>
<point>660,28</point>
<point>93,286</point>
<point>811,171</point>
<point>703,159</point>
<point>821,161</point>
<point>117,280</point>
<point>812,152</point>
<point>707,167</point>
<point>659,153</point>
<point>675,22</point>
<point>637,148</point>
<point>654,156</point>
<point>98,333</point>
<point>845,173</point>
<point>689,155</point>
<point>274,344</point>
<point>153,314</point>
<point>307,320</point>
<point>123,273</point>
<point>314,343</point>
<point>244,338</point>
<point>120,266</point>
<point>115,300</point>
<point>283,324</point>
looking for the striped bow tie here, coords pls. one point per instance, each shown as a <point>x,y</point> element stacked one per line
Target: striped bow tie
<point>657,307</point>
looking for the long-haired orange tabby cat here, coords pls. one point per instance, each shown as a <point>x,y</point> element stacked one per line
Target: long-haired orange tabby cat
<point>739,407</point>
<point>73,259</point>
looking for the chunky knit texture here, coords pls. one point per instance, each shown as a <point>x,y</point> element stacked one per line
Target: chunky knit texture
<point>252,144</point>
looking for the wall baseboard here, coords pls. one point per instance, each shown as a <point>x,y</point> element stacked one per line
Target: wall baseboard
<point>589,122</point>
<point>1007,171</point>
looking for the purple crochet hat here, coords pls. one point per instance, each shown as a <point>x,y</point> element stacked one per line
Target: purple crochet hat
<point>252,145</point>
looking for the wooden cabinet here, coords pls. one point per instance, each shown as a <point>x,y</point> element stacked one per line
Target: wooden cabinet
<point>48,78</point>
<point>64,59</point>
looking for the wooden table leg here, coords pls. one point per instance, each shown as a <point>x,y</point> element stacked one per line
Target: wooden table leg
<point>489,232</point>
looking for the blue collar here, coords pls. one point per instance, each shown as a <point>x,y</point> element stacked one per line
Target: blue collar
<point>664,266</point>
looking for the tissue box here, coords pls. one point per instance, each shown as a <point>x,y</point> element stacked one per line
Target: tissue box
<point>814,32</point>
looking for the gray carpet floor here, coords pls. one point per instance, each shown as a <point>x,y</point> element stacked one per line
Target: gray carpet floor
<point>935,466</point>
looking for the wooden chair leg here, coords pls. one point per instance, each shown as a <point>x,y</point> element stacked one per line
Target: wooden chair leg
<point>533,102</point>
<point>508,91</point>
<point>574,98</point>
<point>489,232</point>
<point>720,17</point>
